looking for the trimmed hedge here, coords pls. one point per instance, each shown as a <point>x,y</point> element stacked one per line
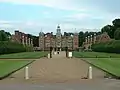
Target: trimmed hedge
<point>112,46</point>
<point>7,47</point>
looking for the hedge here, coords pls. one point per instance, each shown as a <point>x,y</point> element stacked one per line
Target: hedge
<point>7,47</point>
<point>112,46</point>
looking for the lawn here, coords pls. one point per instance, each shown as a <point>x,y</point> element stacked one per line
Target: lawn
<point>95,54</point>
<point>24,55</point>
<point>103,61</point>
<point>111,65</point>
<point>7,67</point>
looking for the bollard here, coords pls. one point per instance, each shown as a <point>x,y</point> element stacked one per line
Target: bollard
<point>48,55</point>
<point>26,73</point>
<point>55,53</point>
<point>70,54</point>
<point>90,73</point>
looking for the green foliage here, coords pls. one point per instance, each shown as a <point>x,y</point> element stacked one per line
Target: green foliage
<point>111,29</point>
<point>117,34</point>
<point>3,36</point>
<point>7,47</point>
<point>108,29</point>
<point>116,26</point>
<point>35,41</point>
<point>29,48</point>
<point>116,22</point>
<point>110,47</point>
<point>81,38</point>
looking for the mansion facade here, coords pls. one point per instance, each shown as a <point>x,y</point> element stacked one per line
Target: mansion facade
<point>58,42</point>
<point>22,38</point>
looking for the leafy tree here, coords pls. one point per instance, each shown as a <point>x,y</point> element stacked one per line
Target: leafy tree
<point>116,23</point>
<point>3,36</point>
<point>65,34</point>
<point>109,30</point>
<point>98,33</point>
<point>29,35</point>
<point>117,34</point>
<point>86,34</point>
<point>35,41</point>
<point>71,33</point>
<point>8,35</point>
<point>81,38</point>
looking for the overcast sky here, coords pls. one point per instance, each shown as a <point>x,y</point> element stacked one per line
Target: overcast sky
<point>32,15</point>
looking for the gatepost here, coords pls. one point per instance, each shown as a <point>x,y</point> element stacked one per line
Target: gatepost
<point>66,49</point>
<point>51,48</point>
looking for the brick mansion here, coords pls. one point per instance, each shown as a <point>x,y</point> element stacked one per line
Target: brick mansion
<point>58,42</point>
<point>47,40</point>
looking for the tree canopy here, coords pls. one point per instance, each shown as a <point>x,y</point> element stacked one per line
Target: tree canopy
<point>117,34</point>
<point>4,36</point>
<point>108,29</point>
<point>112,29</point>
<point>116,22</point>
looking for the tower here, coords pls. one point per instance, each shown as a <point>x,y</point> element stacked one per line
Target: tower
<point>75,41</point>
<point>41,41</point>
<point>58,30</point>
<point>58,38</point>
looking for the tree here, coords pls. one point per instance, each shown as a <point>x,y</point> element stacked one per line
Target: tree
<point>109,30</point>
<point>65,34</point>
<point>35,41</point>
<point>116,23</point>
<point>86,34</point>
<point>81,38</point>
<point>29,35</point>
<point>117,34</point>
<point>3,36</point>
<point>8,35</point>
<point>98,33</point>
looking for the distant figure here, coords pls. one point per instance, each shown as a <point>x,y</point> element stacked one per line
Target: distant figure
<point>58,52</point>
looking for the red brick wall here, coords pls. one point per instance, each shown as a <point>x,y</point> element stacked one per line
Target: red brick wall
<point>75,42</point>
<point>47,41</point>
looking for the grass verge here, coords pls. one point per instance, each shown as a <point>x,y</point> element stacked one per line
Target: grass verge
<point>9,67</point>
<point>24,55</point>
<point>103,61</point>
<point>95,54</point>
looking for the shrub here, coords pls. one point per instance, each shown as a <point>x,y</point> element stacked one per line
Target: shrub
<point>7,47</point>
<point>109,47</point>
